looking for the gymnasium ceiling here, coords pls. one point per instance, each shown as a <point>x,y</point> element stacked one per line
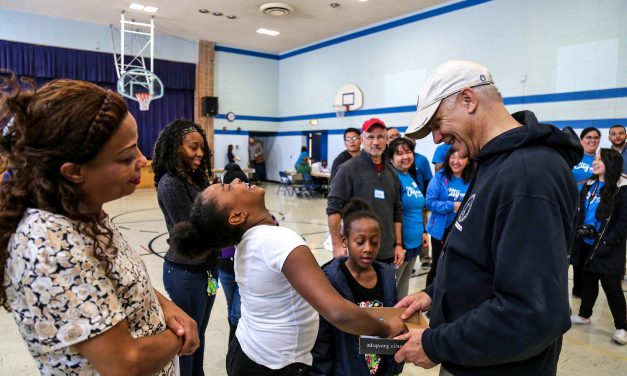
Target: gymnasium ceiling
<point>311,20</point>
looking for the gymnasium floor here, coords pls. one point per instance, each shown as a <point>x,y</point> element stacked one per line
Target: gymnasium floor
<point>587,350</point>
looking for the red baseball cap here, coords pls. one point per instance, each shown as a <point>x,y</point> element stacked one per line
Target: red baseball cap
<point>374,122</point>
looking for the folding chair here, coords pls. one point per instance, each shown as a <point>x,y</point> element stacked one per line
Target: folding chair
<point>285,184</point>
<point>299,185</point>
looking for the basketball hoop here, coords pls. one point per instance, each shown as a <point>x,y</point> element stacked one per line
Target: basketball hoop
<point>144,101</point>
<point>341,110</point>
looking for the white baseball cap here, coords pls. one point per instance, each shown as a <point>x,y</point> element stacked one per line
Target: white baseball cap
<point>448,79</point>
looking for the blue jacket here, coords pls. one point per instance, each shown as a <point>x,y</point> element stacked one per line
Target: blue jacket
<point>500,296</point>
<point>439,204</point>
<point>336,352</point>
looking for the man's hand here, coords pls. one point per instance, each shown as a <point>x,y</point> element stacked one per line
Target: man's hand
<point>425,239</point>
<point>415,302</point>
<point>412,350</point>
<point>181,324</point>
<point>339,250</point>
<point>399,255</point>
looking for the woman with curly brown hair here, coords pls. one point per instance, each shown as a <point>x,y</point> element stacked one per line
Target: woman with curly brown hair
<point>181,166</point>
<point>81,297</point>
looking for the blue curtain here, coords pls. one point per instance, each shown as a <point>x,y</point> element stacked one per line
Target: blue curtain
<point>44,64</point>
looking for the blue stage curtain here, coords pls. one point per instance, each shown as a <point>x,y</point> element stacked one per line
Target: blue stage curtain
<point>44,64</point>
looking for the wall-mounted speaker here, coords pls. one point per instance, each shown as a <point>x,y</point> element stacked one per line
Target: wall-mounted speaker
<point>209,106</point>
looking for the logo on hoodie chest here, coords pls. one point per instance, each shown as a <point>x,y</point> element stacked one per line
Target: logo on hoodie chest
<point>465,211</point>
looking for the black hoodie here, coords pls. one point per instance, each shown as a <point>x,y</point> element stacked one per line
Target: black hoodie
<point>500,298</point>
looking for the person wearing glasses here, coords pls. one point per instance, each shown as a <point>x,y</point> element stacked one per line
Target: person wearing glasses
<point>370,177</point>
<point>422,176</point>
<point>499,303</point>
<point>590,138</point>
<point>352,141</point>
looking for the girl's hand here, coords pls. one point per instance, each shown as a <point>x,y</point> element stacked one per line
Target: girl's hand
<point>397,327</point>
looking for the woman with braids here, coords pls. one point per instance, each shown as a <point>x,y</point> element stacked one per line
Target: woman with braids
<point>600,244</point>
<point>280,283</point>
<point>81,297</point>
<point>181,166</point>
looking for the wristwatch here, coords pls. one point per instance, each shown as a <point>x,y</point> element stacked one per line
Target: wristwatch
<point>397,244</point>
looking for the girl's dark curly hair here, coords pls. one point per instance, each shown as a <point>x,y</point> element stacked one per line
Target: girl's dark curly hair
<point>356,209</point>
<point>208,228</point>
<point>613,162</point>
<point>167,154</point>
<point>469,170</point>
<point>63,121</point>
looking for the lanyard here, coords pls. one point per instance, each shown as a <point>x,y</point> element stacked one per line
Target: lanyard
<point>593,195</point>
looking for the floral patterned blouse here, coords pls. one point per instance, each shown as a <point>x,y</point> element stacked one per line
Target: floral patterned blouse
<point>60,295</point>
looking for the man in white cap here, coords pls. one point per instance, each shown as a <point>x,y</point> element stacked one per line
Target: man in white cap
<point>499,303</point>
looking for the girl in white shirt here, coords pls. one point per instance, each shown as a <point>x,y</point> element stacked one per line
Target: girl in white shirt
<point>280,281</point>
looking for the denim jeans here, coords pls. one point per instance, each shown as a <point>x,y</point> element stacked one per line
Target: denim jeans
<point>188,290</point>
<point>231,292</point>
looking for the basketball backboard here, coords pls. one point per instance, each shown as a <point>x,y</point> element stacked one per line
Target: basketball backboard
<point>348,98</point>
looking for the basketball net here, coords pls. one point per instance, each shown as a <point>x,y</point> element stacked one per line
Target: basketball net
<point>340,111</point>
<point>144,101</point>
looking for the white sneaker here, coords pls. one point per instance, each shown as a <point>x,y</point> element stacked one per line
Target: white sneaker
<point>576,319</point>
<point>620,336</point>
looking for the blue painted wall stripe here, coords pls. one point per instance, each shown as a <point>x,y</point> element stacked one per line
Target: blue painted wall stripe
<point>620,92</point>
<point>577,124</point>
<point>247,52</point>
<point>251,118</point>
<point>362,33</point>
<point>390,25</point>
<point>568,96</point>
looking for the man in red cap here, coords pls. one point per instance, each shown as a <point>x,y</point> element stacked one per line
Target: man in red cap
<point>368,176</point>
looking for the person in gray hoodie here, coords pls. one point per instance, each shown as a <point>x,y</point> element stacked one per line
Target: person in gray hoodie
<point>499,303</point>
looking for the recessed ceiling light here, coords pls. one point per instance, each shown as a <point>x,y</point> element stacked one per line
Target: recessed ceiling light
<point>231,17</point>
<point>272,33</point>
<point>136,6</point>
<point>363,1</point>
<point>217,14</point>
<point>150,9</point>
<point>205,11</point>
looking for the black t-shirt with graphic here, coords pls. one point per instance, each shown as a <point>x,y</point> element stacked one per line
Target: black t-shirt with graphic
<point>365,297</point>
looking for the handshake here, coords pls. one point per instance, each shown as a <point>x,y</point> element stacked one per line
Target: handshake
<point>586,231</point>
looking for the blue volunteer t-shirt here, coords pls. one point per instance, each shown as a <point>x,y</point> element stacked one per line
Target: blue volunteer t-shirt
<point>583,171</point>
<point>413,202</point>
<point>457,189</point>
<point>593,198</point>
<point>423,171</point>
<point>440,153</point>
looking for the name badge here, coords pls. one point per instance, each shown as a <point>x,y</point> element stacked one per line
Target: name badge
<point>380,194</point>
